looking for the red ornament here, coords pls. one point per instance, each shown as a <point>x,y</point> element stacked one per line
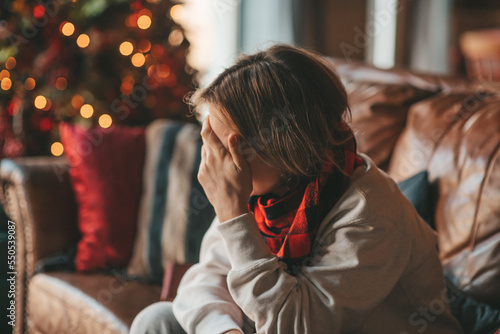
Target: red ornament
<point>45,124</point>
<point>13,108</point>
<point>39,11</point>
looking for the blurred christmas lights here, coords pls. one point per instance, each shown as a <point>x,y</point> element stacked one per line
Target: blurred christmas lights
<point>105,121</point>
<point>4,74</point>
<point>40,102</point>
<point>48,105</point>
<point>10,63</point>
<point>45,124</point>
<point>67,28</point>
<point>83,41</point>
<point>163,71</point>
<point>144,22</point>
<point>157,50</point>
<point>46,80</point>
<point>177,12</point>
<point>144,45</point>
<point>61,83</point>
<point>138,60</point>
<point>29,84</point>
<point>56,149</point>
<point>39,11</point>
<point>126,48</point>
<point>6,84</point>
<point>86,111</point>
<point>176,37</point>
<point>77,101</point>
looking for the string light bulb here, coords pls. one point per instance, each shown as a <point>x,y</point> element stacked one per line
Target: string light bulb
<point>163,71</point>
<point>157,51</point>
<point>176,37</point>
<point>177,12</point>
<point>138,59</point>
<point>105,121</point>
<point>6,84</point>
<point>61,83</point>
<point>29,84</point>
<point>83,41</point>
<point>10,63</point>
<point>67,28</point>
<point>144,45</point>
<point>77,101</point>
<point>126,48</point>
<point>4,74</point>
<point>127,85</point>
<point>47,105</point>
<point>40,102</point>
<point>56,149</point>
<point>144,22</point>
<point>86,111</point>
<point>39,11</point>
<point>131,20</point>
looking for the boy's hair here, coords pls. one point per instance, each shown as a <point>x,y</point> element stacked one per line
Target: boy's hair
<point>286,103</point>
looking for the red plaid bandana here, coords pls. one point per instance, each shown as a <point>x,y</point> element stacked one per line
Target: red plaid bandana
<point>289,224</point>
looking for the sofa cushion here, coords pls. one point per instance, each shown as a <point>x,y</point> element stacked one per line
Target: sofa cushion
<point>66,302</point>
<point>174,211</point>
<point>467,165</point>
<point>474,317</point>
<point>379,101</point>
<point>379,115</point>
<point>421,194</point>
<point>106,168</point>
<point>455,136</point>
<point>428,123</point>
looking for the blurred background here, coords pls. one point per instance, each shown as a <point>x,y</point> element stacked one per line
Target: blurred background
<point>99,62</point>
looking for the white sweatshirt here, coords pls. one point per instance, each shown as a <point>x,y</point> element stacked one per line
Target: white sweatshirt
<point>374,268</point>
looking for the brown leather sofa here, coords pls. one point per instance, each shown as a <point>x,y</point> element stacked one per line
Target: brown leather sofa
<point>406,122</point>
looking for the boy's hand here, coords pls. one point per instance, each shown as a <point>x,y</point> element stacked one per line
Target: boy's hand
<point>224,174</point>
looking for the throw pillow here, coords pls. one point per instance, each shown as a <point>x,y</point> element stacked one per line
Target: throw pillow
<point>421,194</point>
<point>474,316</point>
<point>174,211</point>
<point>105,171</point>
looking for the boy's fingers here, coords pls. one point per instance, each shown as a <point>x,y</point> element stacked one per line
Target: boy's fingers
<point>210,139</point>
<point>238,158</point>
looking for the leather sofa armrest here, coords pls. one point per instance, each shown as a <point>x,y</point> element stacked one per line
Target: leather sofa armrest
<point>37,195</point>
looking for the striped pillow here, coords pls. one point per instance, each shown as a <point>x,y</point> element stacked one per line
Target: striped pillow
<point>174,212</point>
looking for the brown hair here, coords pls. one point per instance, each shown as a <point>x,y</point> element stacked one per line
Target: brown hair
<point>287,103</point>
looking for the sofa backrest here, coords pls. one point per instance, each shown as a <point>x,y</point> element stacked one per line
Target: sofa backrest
<point>456,136</point>
<point>408,123</point>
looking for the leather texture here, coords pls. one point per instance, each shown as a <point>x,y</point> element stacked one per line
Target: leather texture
<point>37,196</point>
<point>90,303</point>
<point>456,137</point>
<point>406,122</point>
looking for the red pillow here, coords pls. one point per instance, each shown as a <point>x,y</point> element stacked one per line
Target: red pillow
<point>106,174</point>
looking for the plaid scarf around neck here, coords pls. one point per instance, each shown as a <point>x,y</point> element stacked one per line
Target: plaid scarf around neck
<point>289,224</point>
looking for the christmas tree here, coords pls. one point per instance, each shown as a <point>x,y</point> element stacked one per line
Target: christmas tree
<point>96,62</point>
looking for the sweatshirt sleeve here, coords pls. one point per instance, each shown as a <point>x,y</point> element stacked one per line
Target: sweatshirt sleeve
<point>352,269</point>
<point>203,304</point>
